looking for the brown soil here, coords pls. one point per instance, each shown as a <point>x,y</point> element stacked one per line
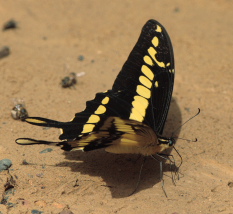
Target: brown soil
<point>50,37</point>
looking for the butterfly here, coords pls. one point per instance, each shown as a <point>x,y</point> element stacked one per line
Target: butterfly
<point>130,117</point>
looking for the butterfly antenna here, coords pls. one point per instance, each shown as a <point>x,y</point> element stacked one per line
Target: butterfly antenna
<point>199,110</point>
<point>186,139</point>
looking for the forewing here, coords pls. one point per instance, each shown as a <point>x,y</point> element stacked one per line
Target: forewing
<point>142,91</point>
<point>147,77</point>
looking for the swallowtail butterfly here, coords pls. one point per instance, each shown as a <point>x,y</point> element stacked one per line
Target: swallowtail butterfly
<point>130,117</point>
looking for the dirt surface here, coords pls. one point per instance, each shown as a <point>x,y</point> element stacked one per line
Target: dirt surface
<point>47,45</point>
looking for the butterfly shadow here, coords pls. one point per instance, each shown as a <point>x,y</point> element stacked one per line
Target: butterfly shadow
<point>120,172</point>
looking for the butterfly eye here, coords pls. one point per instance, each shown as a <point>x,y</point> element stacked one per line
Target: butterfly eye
<point>172,142</point>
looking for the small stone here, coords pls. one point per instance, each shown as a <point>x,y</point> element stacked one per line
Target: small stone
<point>19,112</point>
<point>46,150</point>
<point>81,58</point>
<point>11,24</point>
<point>24,162</point>
<point>36,212</point>
<point>230,184</point>
<point>4,51</point>
<point>40,175</point>
<point>177,9</point>
<point>5,164</point>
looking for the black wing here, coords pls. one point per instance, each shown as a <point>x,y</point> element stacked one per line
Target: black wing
<point>147,77</point>
<point>141,92</point>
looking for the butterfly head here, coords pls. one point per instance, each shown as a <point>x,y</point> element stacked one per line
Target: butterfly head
<point>165,143</point>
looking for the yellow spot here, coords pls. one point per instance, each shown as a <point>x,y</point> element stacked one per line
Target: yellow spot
<point>100,110</point>
<point>148,60</point>
<point>161,139</point>
<point>93,119</point>
<point>145,81</point>
<point>147,72</point>
<point>31,120</point>
<point>168,64</point>
<point>88,128</point>
<point>140,107</point>
<point>82,144</point>
<point>135,115</point>
<point>152,53</point>
<point>155,41</point>
<point>105,100</point>
<point>143,91</point>
<point>25,141</point>
<point>158,29</point>
<point>61,131</point>
<point>142,101</point>
<point>156,84</point>
<point>138,111</point>
<point>122,126</point>
<point>77,148</point>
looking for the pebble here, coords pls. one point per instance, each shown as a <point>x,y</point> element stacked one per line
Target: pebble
<point>36,212</point>
<point>4,51</point>
<point>46,150</point>
<point>11,24</point>
<point>81,58</point>
<point>5,164</point>
<point>230,184</point>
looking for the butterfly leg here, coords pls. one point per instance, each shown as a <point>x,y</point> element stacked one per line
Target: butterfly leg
<point>161,171</point>
<point>174,172</point>
<point>139,177</point>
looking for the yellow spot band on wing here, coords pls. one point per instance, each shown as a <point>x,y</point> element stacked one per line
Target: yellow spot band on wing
<point>88,128</point>
<point>105,100</point>
<point>135,115</point>
<point>148,60</point>
<point>155,41</point>
<point>32,120</point>
<point>100,110</point>
<point>143,91</point>
<point>93,119</point>
<point>152,53</point>
<point>145,81</point>
<point>142,101</point>
<point>147,72</point>
<point>158,29</point>
<point>140,105</point>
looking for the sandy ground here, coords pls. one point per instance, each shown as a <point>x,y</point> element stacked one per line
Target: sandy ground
<point>46,46</point>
